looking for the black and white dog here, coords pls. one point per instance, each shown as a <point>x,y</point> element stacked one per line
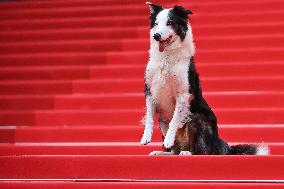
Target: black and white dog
<point>172,89</point>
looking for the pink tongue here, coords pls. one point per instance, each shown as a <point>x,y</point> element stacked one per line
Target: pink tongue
<point>162,46</point>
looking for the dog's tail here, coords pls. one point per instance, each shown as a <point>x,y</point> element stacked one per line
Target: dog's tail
<point>250,149</point>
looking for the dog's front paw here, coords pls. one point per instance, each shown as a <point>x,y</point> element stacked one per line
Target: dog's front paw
<point>185,153</point>
<point>146,139</point>
<point>156,153</point>
<point>169,141</point>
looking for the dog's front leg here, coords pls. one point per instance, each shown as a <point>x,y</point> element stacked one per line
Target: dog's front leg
<point>180,117</point>
<point>149,121</point>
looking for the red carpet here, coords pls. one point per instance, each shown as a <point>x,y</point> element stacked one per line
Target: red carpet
<point>71,94</point>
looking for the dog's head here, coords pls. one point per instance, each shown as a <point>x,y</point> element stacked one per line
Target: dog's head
<point>168,27</point>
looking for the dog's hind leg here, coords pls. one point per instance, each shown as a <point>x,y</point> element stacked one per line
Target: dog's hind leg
<point>204,136</point>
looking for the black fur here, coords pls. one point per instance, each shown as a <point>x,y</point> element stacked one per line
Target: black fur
<point>203,125</point>
<point>154,11</point>
<point>199,104</point>
<point>147,91</point>
<point>178,20</point>
<point>243,149</point>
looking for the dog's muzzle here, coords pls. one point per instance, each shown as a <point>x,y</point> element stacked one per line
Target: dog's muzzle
<point>162,43</point>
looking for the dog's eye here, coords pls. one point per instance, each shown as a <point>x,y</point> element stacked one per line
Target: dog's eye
<point>169,23</point>
<point>156,24</point>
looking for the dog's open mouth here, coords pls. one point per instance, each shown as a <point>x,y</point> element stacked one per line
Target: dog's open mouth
<point>164,43</point>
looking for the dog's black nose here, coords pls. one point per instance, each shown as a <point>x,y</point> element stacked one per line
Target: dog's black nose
<point>157,36</point>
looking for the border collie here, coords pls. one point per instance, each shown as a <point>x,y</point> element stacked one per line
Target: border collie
<point>172,89</point>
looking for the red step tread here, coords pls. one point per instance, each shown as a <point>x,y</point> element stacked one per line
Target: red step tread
<point>133,86</point>
<point>130,9</point>
<point>82,149</point>
<point>130,117</point>
<point>240,69</point>
<point>78,34</point>
<point>74,72</point>
<point>71,3</point>
<point>73,46</point>
<point>83,58</point>
<point>137,23</point>
<point>128,45</point>
<point>141,167</point>
<point>248,134</point>
<point>135,100</point>
<point>116,22</point>
<point>139,57</point>
<point>94,149</point>
<point>94,11</point>
<point>138,185</point>
<point>127,32</point>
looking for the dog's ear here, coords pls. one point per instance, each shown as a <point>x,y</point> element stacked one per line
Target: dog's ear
<point>179,10</point>
<point>154,8</point>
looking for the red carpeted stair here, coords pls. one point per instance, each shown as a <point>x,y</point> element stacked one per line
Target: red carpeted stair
<point>71,94</point>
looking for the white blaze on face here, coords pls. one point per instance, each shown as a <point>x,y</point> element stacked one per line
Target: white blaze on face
<point>163,29</point>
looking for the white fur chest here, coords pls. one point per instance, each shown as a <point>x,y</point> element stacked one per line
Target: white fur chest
<point>166,81</point>
<point>163,81</point>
